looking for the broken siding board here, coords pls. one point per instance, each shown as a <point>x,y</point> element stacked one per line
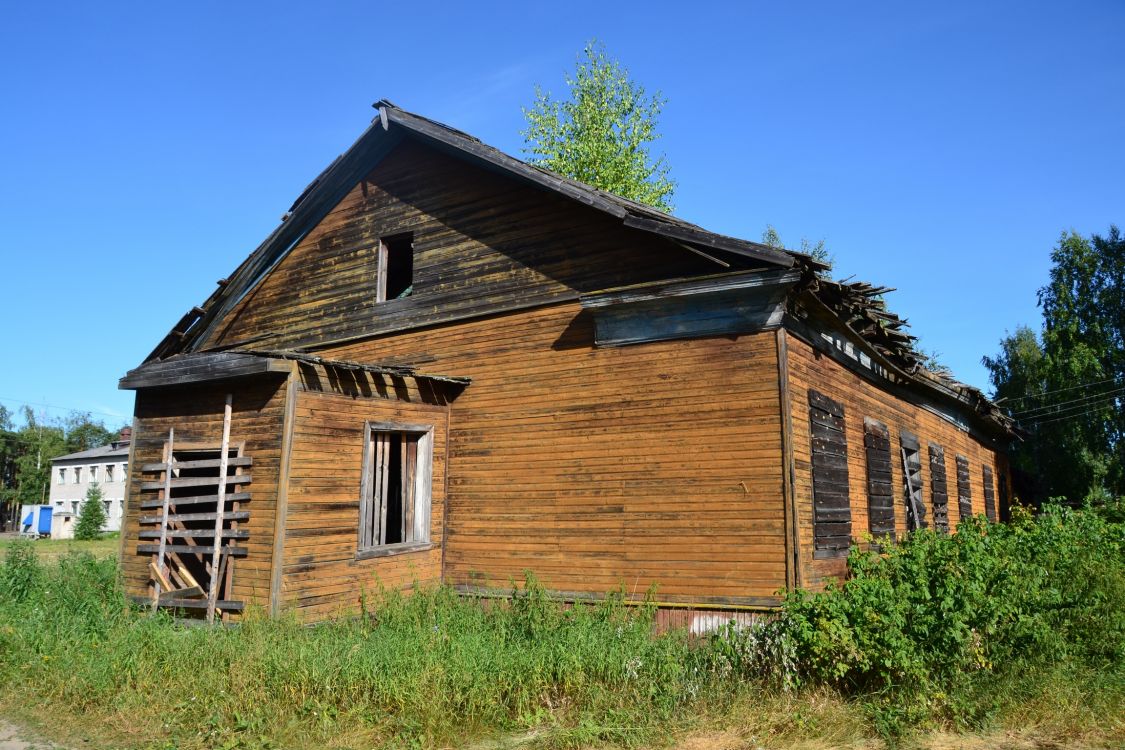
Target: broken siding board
<point>880,489</point>
<point>832,524</point>
<point>196,413</point>
<point>939,488</point>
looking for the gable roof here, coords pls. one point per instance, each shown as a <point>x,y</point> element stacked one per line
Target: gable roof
<point>390,126</point>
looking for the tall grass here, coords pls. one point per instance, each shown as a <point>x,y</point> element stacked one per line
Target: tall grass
<point>996,624</point>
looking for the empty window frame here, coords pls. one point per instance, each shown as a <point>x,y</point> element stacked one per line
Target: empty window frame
<point>395,267</point>
<point>109,472</point>
<point>964,490</point>
<point>394,509</point>
<point>93,473</point>
<point>880,486</point>
<point>909,450</point>
<point>989,494</point>
<point>939,488</point>
<point>77,474</point>
<point>62,476</point>
<point>832,512</point>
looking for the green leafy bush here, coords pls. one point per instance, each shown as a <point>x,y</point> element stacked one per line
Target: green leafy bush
<point>934,627</point>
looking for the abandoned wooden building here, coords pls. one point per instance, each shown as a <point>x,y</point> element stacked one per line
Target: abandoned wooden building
<point>448,365</point>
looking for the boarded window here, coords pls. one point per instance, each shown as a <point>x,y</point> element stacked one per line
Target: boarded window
<point>939,488</point>
<point>1005,499</point>
<point>964,489</point>
<point>395,267</point>
<point>989,495</point>
<point>909,451</point>
<point>832,513</point>
<point>880,486</point>
<point>395,491</point>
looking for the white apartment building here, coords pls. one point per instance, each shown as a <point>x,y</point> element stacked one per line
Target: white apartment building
<point>72,475</point>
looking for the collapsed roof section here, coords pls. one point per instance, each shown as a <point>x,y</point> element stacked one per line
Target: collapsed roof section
<point>859,308</point>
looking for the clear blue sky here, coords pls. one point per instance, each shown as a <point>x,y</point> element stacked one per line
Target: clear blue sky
<point>938,148</point>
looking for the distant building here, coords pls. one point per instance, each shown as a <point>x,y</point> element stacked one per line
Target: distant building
<point>72,475</point>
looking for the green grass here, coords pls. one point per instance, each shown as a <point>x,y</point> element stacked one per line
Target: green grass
<point>997,629</point>
<point>53,549</point>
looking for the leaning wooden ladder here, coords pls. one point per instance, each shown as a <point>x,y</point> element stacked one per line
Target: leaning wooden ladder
<point>173,584</point>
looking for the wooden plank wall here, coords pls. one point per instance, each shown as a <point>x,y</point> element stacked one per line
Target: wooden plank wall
<point>861,399</point>
<point>658,463</point>
<point>197,415</point>
<point>321,577</point>
<point>482,243</point>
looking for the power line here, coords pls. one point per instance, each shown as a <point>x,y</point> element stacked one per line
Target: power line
<point>1026,412</point>
<point>1073,413</point>
<point>1059,390</point>
<point>1087,407</point>
<point>23,402</point>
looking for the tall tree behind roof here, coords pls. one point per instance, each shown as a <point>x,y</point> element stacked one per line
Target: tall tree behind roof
<point>601,134</point>
<point>1066,387</point>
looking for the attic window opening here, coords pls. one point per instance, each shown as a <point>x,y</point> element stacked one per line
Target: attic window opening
<point>395,267</point>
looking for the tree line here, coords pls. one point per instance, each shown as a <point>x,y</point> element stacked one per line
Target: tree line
<point>26,452</point>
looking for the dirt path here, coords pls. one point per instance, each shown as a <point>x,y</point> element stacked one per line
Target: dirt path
<point>15,738</point>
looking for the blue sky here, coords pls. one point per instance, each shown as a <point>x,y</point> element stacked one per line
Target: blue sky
<point>938,148</point>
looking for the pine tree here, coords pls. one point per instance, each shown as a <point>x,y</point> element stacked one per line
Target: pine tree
<point>91,518</point>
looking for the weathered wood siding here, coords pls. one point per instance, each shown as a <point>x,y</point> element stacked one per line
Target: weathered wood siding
<point>321,576</point>
<point>596,468</point>
<point>196,413</point>
<point>863,400</point>
<point>482,243</point>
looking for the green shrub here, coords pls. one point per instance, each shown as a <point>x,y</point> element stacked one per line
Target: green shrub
<point>918,630</point>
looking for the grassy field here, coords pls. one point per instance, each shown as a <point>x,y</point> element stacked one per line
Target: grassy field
<point>52,549</point>
<point>998,636</point>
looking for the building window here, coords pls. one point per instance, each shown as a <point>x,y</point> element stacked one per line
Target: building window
<point>105,504</point>
<point>62,476</point>
<point>880,486</point>
<point>395,267</point>
<point>912,481</point>
<point>832,510</point>
<point>93,473</point>
<point>109,472</point>
<point>74,506</point>
<point>394,509</point>
<point>124,472</point>
<point>77,474</point>
<point>989,495</point>
<point>964,490</point>
<point>939,488</point>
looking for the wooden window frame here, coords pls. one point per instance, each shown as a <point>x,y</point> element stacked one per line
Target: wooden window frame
<point>939,489</point>
<point>989,479</point>
<point>964,490</point>
<point>382,263</point>
<point>880,481</point>
<point>422,491</point>
<point>910,455</point>
<point>832,510</point>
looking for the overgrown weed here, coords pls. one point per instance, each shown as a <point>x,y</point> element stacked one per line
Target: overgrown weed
<point>1021,624</point>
